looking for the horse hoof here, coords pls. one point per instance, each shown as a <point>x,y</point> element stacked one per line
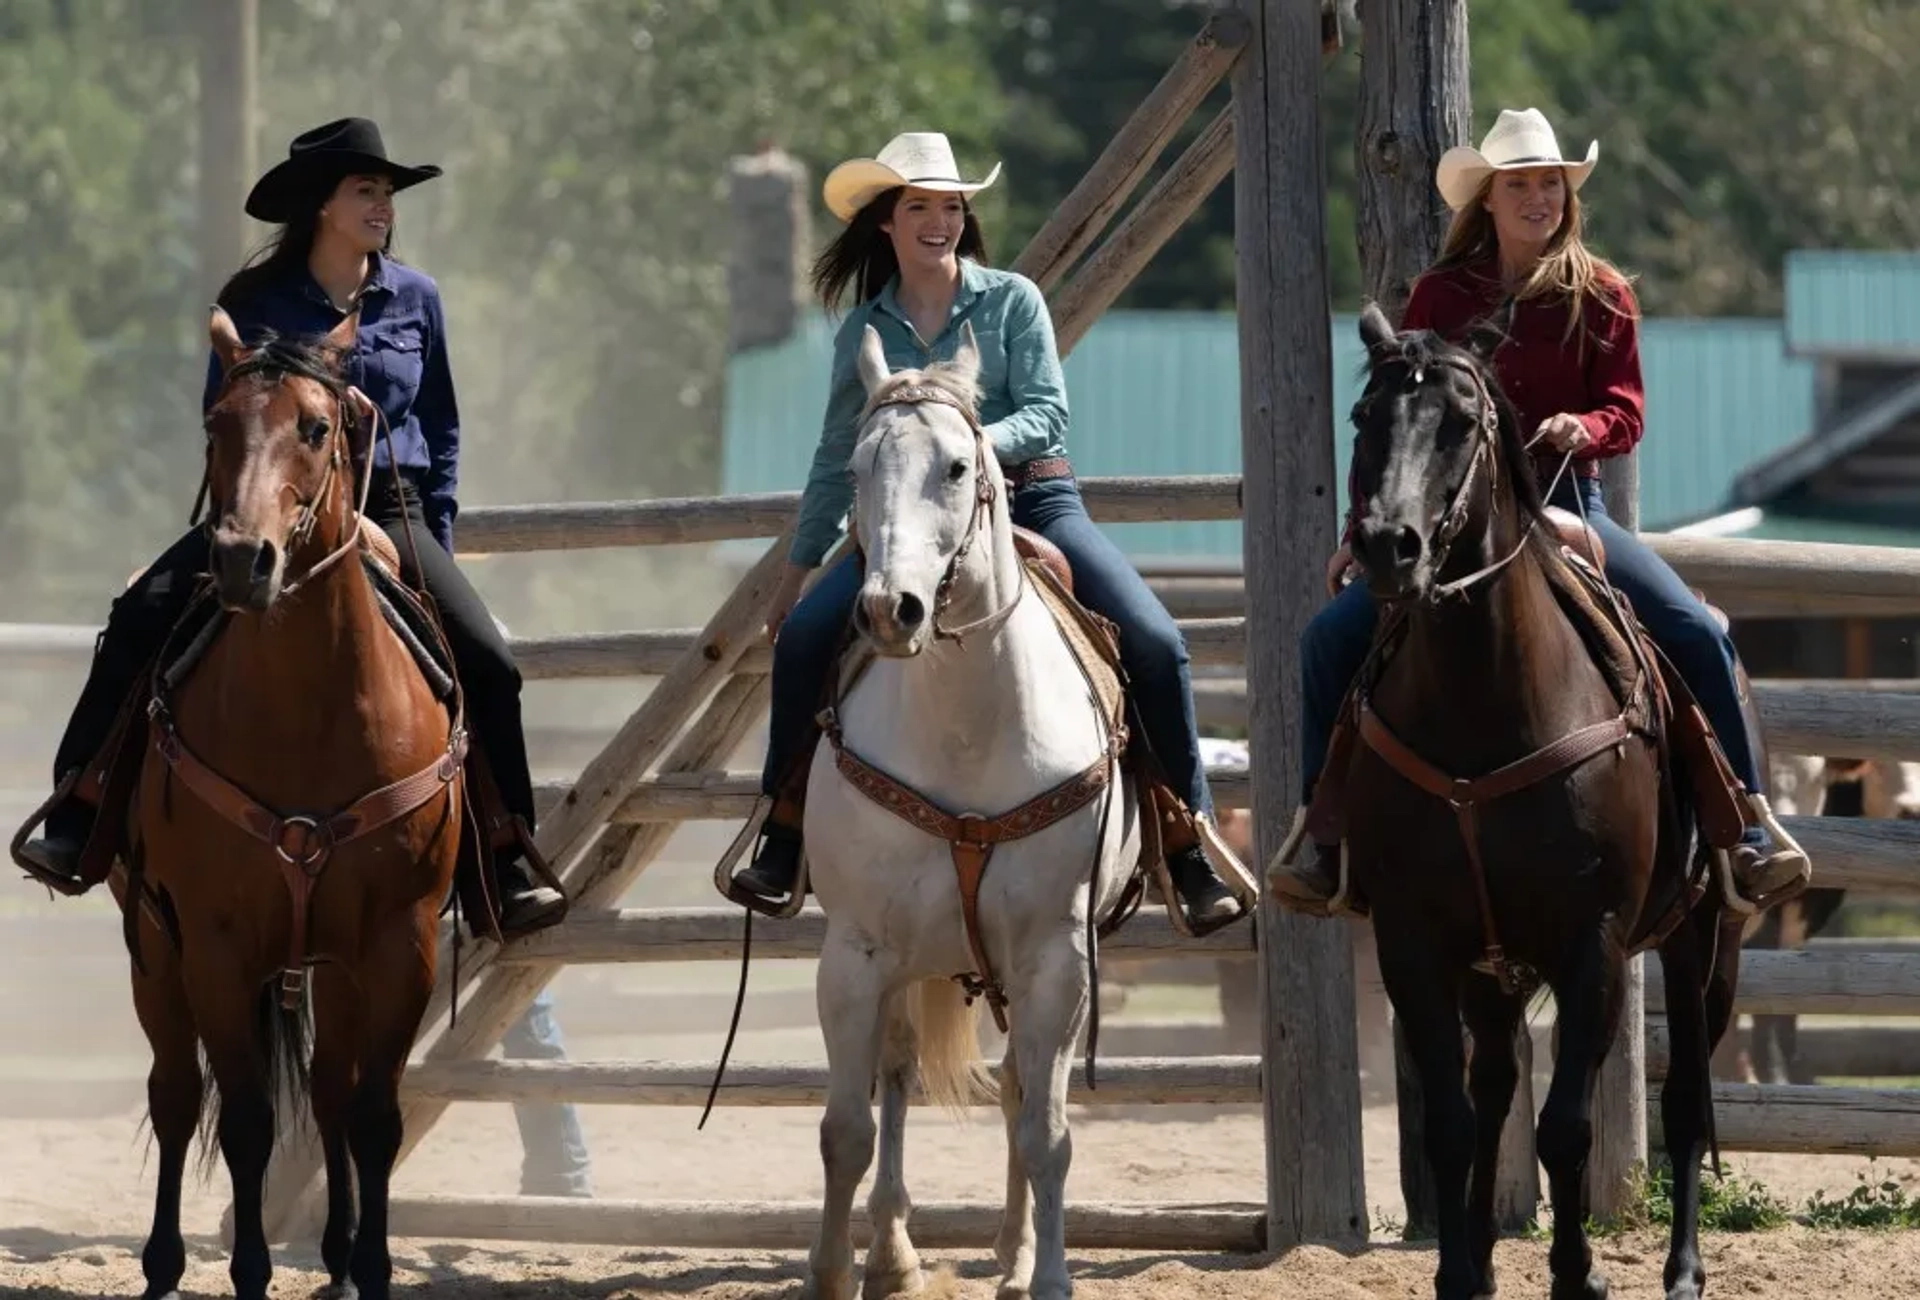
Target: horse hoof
<point>878,1286</point>
<point>1592,1287</point>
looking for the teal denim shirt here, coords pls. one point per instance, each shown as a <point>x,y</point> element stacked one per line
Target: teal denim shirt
<point>1024,395</point>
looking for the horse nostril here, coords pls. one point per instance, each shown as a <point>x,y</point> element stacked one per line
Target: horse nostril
<point>910,611</point>
<point>263,561</point>
<point>1406,545</point>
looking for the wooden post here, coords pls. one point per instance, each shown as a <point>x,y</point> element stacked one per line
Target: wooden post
<point>1620,1093</point>
<point>229,37</point>
<point>1316,1187</point>
<point>1415,105</point>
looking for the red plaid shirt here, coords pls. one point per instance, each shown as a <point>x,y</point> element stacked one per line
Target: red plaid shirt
<point>1594,375</point>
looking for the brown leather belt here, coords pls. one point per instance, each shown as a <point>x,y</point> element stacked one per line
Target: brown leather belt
<point>1033,471</point>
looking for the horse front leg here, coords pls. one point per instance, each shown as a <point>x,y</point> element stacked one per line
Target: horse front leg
<point>240,1023</point>
<point>892,1265</point>
<point>174,1092</point>
<point>850,987</point>
<point>1013,1248</point>
<point>1685,1097</point>
<point>1494,1018</point>
<point>338,1031</point>
<point>395,980</point>
<point>1587,994</point>
<point>1426,999</point>
<point>1050,1009</point>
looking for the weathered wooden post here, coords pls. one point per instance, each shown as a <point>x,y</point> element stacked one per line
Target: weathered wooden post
<point>1620,1093</point>
<point>229,37</point>
<point>1316,1186</point>
<point>772,237</point>
<point>1415,103</point>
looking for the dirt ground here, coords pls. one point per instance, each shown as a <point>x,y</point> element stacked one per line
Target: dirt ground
<point>76,1168</point>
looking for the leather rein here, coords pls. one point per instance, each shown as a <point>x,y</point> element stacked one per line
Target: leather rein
<point>303,843</point>
<point>1465,795</point>
<point>970,836</point>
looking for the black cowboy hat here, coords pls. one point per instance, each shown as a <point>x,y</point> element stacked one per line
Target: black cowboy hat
<point>318,159</point>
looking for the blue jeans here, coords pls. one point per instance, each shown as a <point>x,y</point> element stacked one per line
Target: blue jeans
<point>1151,647</point>
<point>553,1159</point>
<point>1336,642</point>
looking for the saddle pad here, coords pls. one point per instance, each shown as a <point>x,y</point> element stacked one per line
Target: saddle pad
<point>1584,601</point>
<point>1091,638</point>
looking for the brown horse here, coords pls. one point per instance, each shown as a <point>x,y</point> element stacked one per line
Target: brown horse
<point>300,802</point>
<point>1510,820</point>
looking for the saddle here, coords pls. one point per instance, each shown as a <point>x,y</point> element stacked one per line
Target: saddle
<point>107,782</point>
<point>1655,702</point>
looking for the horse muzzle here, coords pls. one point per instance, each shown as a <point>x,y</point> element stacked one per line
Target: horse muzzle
<point>247,571</point>
<point>894,623</point>
<point>1394,557</point>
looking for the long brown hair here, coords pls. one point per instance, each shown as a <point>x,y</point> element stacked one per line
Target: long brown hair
<point>1567,270</point>
<point>862,254</point>
<point>285,249</point>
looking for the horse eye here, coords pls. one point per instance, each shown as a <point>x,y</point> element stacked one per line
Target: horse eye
<point>957,470</point>
<point>317,432</point>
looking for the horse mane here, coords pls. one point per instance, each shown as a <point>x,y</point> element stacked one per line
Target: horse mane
<point>307,356</point>
<point>946,376</point>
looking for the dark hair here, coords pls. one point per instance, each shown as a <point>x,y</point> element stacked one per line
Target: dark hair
<point>285,249</point>
<point>862,254</point>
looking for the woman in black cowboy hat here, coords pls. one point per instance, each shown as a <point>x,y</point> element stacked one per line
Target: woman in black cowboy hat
<point>332,198</point>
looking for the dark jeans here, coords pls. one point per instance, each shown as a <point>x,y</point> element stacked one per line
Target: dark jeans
<point>1151,647</point>
<point>1336,641</point>
<point>142,615</point>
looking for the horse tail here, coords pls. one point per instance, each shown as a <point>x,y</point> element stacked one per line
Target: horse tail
<point>952,1075</point>
<point>285,1039</point>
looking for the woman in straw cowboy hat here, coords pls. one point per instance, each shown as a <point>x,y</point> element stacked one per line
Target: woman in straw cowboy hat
<point>913,255</point>
<point>332,197</point>
<point>1571,368</point>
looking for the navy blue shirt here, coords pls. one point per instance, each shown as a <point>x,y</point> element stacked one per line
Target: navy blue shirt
<point>399,361</point>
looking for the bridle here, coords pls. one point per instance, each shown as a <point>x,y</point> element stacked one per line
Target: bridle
<point>985,493</point>
<point>1486,456</point>
<point>263,363</point>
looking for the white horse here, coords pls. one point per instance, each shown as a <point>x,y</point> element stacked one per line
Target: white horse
<point>973,702</point>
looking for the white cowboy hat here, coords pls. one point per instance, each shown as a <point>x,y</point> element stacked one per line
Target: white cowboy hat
<point>919,158</point>
<point>1518,139</point>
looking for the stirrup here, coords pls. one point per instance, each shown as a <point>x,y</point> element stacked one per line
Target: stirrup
<point>723,870</point>
<point>1339,903</point>
<point>1749,904</point>
<point>1227,865</point>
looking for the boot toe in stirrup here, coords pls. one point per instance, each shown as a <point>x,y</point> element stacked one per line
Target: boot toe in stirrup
<point>54,855</point>
<point>532,909</point>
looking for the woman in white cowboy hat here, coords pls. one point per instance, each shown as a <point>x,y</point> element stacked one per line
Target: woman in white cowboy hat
<point>913,254</point>
<point>1571,368</point>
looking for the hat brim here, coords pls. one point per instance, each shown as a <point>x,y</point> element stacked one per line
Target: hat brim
<point>857,182</point>
<point>1463,169</point>
<point>289,188</point>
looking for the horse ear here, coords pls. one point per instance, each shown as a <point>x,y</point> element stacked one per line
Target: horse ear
<point>872,364</point>
<point>1484,336</point>
<point>967,356</point>
<point>1376,331</point>
<point>225,337</point>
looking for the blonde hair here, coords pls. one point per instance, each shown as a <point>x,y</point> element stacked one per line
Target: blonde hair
<point>1567,269</point>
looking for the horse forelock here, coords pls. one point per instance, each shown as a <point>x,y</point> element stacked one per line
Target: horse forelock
<point>276,357</point>
<point>961,385</point>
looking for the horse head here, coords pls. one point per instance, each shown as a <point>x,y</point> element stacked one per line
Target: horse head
<point>1436,447</point>
<point>926,480</point>
<point>278,457</point>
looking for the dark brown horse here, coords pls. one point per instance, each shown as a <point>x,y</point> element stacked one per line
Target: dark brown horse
<point>1510,820</point>
<point>300,802</point>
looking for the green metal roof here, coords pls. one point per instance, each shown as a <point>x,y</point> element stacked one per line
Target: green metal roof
<point>1853,301</point>
<point>1159,393</point>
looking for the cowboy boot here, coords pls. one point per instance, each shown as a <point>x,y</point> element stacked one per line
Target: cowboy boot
<point>1207,901</point>
<point>775,866</point>
<point>526,905</point>
<point>57,851</point>
<point>1313,884</point>
<point>1768,864</point>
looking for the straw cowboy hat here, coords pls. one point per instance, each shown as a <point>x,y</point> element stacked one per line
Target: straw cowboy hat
<point>1518,139</point>
<point>317,160</point>
<point>922,159</point>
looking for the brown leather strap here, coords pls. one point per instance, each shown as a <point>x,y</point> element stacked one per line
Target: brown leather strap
<point>1040,467</point>
<point>304,843</point>
<point>970,837</point>
<point>1465,796</point>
